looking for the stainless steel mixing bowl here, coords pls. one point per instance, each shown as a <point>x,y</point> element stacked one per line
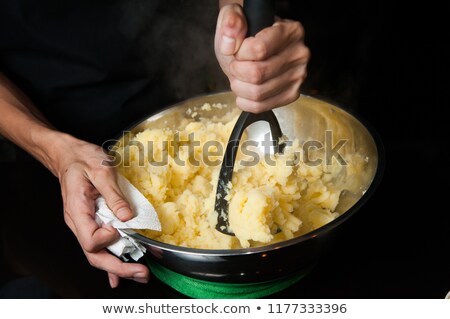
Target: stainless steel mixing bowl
<point>306,119</point>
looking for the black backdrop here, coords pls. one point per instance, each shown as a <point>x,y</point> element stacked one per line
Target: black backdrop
<point>388,62</point>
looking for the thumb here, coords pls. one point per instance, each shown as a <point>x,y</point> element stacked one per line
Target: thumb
<point>231,29</point>
<point>107,186</point>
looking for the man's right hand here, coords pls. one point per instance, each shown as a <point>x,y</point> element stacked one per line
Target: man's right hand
<point>267,70</point>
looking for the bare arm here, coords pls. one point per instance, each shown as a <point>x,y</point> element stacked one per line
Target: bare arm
<point>225,2</point>
<point>77,164</point>
<point>22,123</point>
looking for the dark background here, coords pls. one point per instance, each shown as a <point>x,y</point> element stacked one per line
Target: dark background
<point>382,60</point>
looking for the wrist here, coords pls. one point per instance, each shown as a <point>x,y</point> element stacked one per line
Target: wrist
<point>50,147</point>
<point>223,3</point>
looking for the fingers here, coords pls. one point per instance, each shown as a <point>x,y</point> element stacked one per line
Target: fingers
<point>260,72</point>
<point>284,98</point>
<point>92,237</point>
<point>113,280</point>
<point>79,214</point>
<point>117,268</point>
<point>280,90</point>
<point>265,71</point>
<point>231,29</point>
<point>270,88</point>
<point>270,41</point>
<point>83,179</point>
<point>104,180</point>
<point>268,69</point>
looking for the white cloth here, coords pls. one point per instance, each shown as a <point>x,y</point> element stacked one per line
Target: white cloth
<point>146,218</point>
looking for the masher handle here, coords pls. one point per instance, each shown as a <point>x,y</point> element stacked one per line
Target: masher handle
<point>260,14</point>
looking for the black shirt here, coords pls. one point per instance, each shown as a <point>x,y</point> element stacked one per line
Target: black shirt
<point>82,62</point>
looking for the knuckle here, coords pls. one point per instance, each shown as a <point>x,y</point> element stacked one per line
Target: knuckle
<point>255,107</point>
<point>259,50</point>
<point>89,246</point>
<point>302,53</point>
<point>306,54</point>
<point>298,29</point>
<point>256,93</point>
<point>239,23</point>
<point>102,172</point>
<point>303,76</point>
<point>121,272</point>
<point>294,93</point>
<point>233,68</point>
<point>299,75</point>
<point>290,95</point>
<point>233,18</point>
<point>249,106</point>
<point>234,86</point>
<point>258,108</point>
<point>256,74</point>
<point>93,262</point>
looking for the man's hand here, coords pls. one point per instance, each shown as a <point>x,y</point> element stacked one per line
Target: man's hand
<point>265,71</point>
<point>84,176</point>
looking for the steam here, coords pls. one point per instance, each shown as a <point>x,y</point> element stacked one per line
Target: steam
<point>176,41</point>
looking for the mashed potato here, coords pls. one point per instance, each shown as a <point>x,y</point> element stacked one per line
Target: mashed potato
<point>267,203</point>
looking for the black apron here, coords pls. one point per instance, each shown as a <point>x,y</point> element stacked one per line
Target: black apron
<point>84,64</point>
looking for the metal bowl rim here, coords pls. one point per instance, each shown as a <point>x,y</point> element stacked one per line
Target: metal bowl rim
<point>287,243</point>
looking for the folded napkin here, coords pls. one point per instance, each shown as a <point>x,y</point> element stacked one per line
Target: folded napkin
<point>146,218</point>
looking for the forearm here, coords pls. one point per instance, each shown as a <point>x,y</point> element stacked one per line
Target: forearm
<point>22,123</point>
<point>225,2</point>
